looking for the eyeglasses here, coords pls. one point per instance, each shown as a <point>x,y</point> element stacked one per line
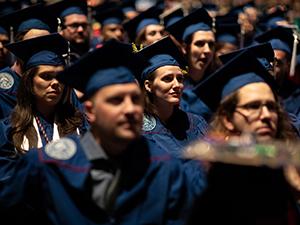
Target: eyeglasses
<point>253,110</point>
<point>75,26</point>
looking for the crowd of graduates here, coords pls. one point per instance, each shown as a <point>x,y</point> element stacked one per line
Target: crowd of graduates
<point>100,100</point>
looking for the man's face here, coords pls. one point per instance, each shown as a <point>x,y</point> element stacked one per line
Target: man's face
<point>256,112</point>
<point>76,28</point>
<point>113,31</point>
<point>116,113</point>
<point>201,50</point>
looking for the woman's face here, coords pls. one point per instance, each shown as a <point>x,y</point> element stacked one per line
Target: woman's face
<point>153,33</point>
<point>167,85</point>
<point>201,50</point>
<point>46,89</point>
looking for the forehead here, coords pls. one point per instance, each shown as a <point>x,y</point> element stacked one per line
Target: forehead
<point>112,26</point>
<point>49,68</point>
<point>167,70</point>
<point>32,33</point>
<point>255,92</point>
<point>154,27</point>
<point>279,54</point>
<point>118,89</point>
<point>75,18</point>
<point>201,35</point>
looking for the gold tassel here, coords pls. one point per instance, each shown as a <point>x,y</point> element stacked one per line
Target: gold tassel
<point>134,48</point>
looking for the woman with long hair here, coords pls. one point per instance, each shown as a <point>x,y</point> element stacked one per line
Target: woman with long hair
<point>165,123</point>
<point>44,111</point>
<point>246,107</point>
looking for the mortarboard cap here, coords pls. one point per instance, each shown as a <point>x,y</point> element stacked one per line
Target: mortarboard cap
<point>109,16</point>
<point>269,20</point>
<point>161,53</point>
<point>43,50</point>
<point>64,8</point>
<point>33,17</point>
<point>210,7</point>
<point>7,7</point>
<point>232,76</point>
<point>263,52</point>
<point>3,31</point>
<point>281,38</point>
<point>113,63</point>
<point>128,6</point>
<point>173,17</point>
<point>228,33</point>
<point>195,21</point>
<point>236,10</point>
<point>148,17</point>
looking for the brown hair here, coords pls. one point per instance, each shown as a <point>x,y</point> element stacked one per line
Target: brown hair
<point>227,108</point>
<point>68,118</point>
<point>150,108</point>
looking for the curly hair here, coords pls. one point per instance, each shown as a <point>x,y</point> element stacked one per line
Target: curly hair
<point>68,118</point>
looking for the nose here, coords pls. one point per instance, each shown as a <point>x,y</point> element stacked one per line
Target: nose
<point>80,28</point>
<point>55,83</point>
<point>129,106</point>
<point>119,34</point>
<point>265,113</point>
<point>207,48</point>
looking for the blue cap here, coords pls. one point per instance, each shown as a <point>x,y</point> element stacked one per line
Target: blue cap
<point>128,6</point>
<point>72,10</point>
<point>113,63</point>
<point>195,21</point>
<point>240,8</point>
<point>33,24</point>
<point>173,17</point>
<point>64,8</point>
<point>263,52</point>
<point>281,38</point>
<point>43,50</point>
<point>269,20</point>
<point>161,53</point>
<point>148,17</point>
<point>110,16</point>
<point>228,33</point>
<point>3,31</point>
<point>210,7</point>
<point>33,17</point>
<point>231,77</point>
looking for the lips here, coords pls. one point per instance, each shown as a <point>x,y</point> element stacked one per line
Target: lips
<point>264,130</point>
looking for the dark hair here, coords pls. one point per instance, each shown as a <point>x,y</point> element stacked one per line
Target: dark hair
<point>150,108</point>
<point>228,106</point>
<point>68,118</point>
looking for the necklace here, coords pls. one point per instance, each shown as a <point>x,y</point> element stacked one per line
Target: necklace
<point>42,129</point>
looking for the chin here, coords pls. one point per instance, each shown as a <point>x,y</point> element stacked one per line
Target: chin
<point>264,138</point>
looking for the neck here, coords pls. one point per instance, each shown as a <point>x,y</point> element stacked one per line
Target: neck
<point>164,111</point>
<point>196,75</point>
<point>47,112</point>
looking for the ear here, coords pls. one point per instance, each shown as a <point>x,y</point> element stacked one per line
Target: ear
<point>228,124</point>
<point>147,85</point>
<point>90,111</point>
